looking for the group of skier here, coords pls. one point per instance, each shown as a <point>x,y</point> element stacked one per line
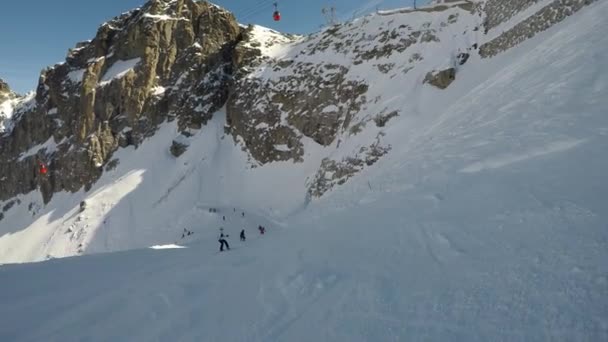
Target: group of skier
<point>222,239</point>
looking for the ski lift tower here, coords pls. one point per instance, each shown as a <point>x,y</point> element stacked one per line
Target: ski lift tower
<point>329,13</point>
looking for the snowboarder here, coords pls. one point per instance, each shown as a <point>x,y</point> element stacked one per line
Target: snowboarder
<point>222,240</point>
<point>243,235</point>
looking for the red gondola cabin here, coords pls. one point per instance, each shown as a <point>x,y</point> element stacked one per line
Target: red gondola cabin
<point>43,169</point>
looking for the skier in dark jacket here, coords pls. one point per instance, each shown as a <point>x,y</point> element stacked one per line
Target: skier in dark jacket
<point>222,241</point>
<point>243,235</point>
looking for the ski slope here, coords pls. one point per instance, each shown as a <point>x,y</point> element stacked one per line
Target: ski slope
<point>487,221</point>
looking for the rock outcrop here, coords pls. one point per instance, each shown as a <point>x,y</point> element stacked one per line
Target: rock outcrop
<point>178,148</point>
<point>442,78</point>
<point>5,91</point>
<point>168,60</point>
<point>500,11</point>
<point>333,173</point>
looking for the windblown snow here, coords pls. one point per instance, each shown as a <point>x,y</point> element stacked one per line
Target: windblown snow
<point>487,221</point>
<point>12,107</point>
<point>6,112</point>
<point>119,69</point>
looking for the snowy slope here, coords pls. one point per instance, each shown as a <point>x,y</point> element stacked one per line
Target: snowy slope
<point>6,112</point>
<point>487,221</point>
<point>11,107</point>
<point>154,194</point>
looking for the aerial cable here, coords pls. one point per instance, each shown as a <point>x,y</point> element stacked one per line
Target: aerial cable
<point>260,9</point>
<point>260,6</point>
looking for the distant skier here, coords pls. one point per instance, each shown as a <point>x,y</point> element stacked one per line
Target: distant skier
<point>223,218</point>
<point>243,214</point>
<point>262,230</point>
<point>222,240</point>
<point>243,235</point>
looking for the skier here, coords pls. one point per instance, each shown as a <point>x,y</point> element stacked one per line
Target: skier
<point>262,230</point>
<point>222,240</point>
<point>223,218</point>
<point>243,235</point>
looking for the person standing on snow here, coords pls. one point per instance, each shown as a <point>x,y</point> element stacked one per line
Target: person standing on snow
<point>243,235</point>
<point>222,240</point>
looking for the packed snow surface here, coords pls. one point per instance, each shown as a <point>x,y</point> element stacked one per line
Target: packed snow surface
<point>169,246</point>
<point>487,221</point>
<point>76,76</point>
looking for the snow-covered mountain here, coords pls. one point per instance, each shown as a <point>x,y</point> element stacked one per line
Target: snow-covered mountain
<point>423,175</point>
<point>179,96</point>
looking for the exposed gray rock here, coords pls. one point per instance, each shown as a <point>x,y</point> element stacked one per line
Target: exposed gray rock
<point>548,16</point>
<point>177,148</point>
<point>382,119</point>
<point>462,58</point>
<point>499,11</point>
<point>441,79</point>
<point>332,173</point>
<point>8,205</point>
<point>5,91</point>
<point>112,164</point>
<point>316,99</point>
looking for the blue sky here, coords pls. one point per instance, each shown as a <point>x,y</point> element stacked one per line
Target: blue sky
<point>38,33</point>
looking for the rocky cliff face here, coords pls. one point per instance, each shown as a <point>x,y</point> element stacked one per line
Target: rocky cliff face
<point>168,60</point>
<point>283,95</point>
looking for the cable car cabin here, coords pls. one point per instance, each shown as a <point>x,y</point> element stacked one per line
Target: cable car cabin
<point>43,169</point>
<point>276,16</point>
